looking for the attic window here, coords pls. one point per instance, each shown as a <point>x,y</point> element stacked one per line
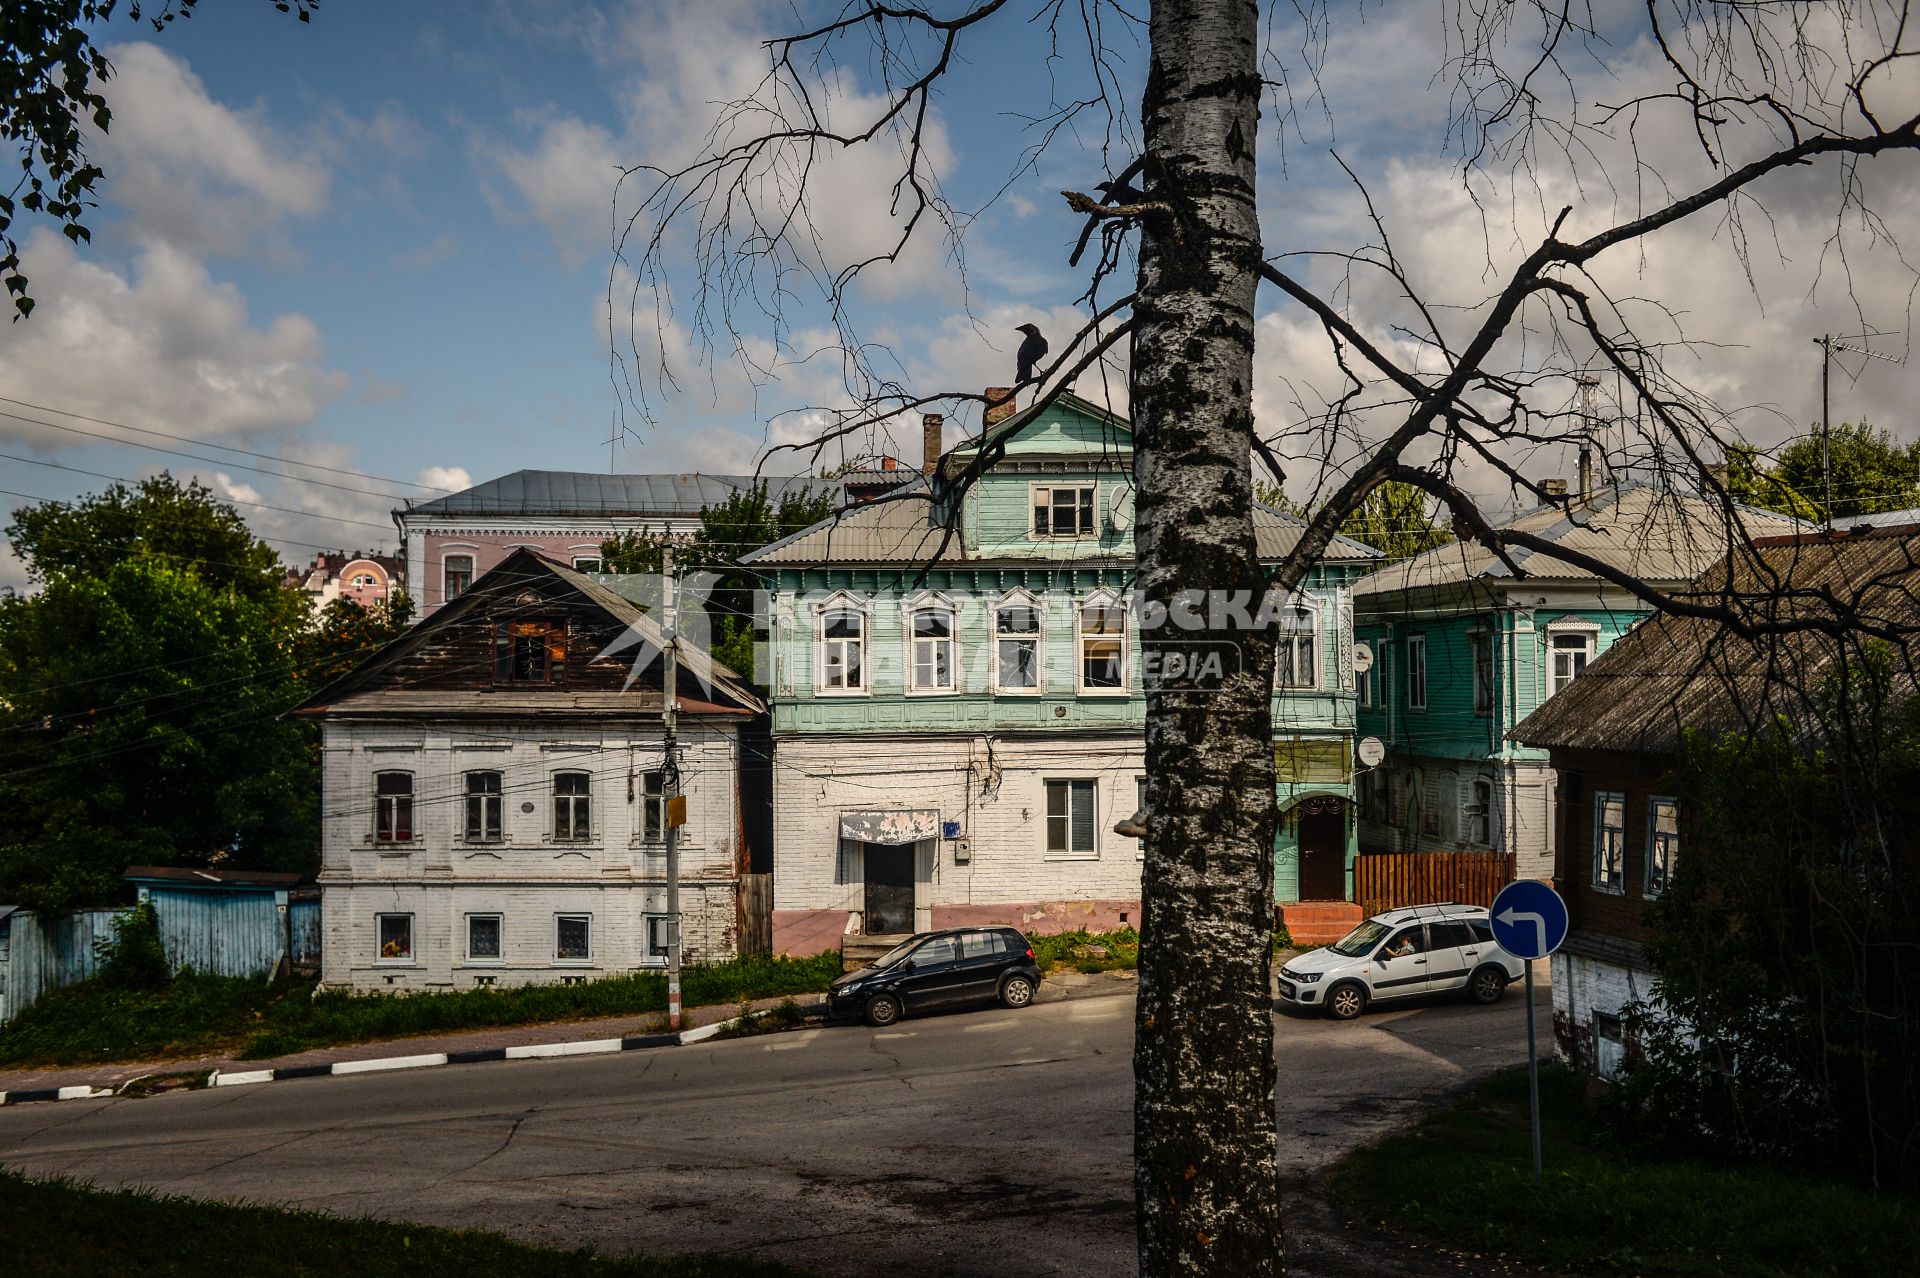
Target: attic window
<point>530,652</point>
<point>1063,511</point>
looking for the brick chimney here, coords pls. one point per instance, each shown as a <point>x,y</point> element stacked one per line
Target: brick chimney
<point>1554,487</point>
<point>889,463</point>
<point>932,426</point>
<point>999,405</point>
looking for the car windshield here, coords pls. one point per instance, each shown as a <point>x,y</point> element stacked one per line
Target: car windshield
<point>897,953</point>
<point>1360,940</point>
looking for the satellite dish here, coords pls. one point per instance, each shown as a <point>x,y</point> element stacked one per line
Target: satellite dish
<point>1371,752</point>
<point>1120,512</point>
<point>1362,658</point>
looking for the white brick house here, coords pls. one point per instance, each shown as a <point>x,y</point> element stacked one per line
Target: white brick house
<point>491,810</point>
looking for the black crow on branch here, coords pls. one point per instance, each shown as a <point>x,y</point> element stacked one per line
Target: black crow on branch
<point>1032,350</point>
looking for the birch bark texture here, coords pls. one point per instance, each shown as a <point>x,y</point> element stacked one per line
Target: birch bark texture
<point>1206,1179</point>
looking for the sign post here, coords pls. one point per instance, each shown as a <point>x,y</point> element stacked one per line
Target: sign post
<point>1530,922</point>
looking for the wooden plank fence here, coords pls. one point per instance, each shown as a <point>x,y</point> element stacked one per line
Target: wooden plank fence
<point>756,914</point>
<point>1390,880</point>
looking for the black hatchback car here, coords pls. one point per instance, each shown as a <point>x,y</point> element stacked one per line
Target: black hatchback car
<point>939,969</point>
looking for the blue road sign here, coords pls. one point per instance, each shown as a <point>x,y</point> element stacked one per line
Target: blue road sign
<point>1529,919</point>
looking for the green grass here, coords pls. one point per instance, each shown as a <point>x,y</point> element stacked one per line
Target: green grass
<point>59,1229</point>
<point>194,1014</point>
<point>1122,946</point>
<point>1463,1178</point>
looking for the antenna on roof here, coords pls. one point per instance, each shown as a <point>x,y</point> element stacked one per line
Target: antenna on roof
<point>1828,344</point>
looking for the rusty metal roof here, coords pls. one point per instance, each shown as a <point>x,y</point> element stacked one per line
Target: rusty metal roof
<point>1653,534</point>
<point>1818,599</point>
<point>571,492</point>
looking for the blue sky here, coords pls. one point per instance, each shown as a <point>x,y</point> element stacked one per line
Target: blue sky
<point>379,241</point>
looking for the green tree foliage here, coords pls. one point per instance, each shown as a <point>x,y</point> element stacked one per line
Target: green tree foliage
<point>1785,1021</point>
<point>1872,472</point>
<point>744,522</point>
<point>345,634</point>
<point>1397,519</point>
<point>141,696</point>
<point>51,75</point>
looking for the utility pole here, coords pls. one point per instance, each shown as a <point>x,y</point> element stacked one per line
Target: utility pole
<point>1828,346</point>
<point>670,775</point>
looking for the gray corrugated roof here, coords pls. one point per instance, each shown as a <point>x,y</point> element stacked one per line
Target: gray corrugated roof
<point>1884,519</point>
<point>1655,535</point>
<point>898,529</point>
<point>1670,673</point>
<point>572,492</point>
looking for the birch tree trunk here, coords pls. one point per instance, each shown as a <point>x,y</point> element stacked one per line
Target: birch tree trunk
<point>1206,1179</point>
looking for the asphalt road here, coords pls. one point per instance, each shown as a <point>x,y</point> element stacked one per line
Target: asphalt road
<point>978,1142</point>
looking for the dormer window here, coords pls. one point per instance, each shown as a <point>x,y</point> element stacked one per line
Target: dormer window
<point>530,652</point>
<point>1064,510</point>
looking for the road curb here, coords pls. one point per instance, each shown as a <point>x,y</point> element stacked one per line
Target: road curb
<point>425,1060</point>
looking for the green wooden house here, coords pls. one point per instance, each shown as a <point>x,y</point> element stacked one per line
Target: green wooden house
<point>1463,648</point>
<point>958,718</point>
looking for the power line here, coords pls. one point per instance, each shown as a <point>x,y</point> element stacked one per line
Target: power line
<point>237,501</point>
<point>210,461</point>
<point>230,448</point>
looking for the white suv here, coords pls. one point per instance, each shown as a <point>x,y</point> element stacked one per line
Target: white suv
<point>1422,949</point>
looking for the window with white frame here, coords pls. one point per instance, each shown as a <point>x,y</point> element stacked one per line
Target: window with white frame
<point>1103,645</point>
<point>1480,813</point>
<point>1070,816</point>
<point>1016,645</point>
<point>1416,672</point>
<point>1070,819</point>
<point>931,664</point>
<point>1297,659</point>
<point>1363,687</point>
<point>843,643</point>
<point>1572,651</point>
<point>483,937</point>
<point>393,807</point>
<point>572,938</point>
<point>1609,841</point>
<point>1663,842</point>
<point>395,937</point>
<point>587,563</point>
<point>1064,510</point>
<point>572,807</point>
<point>456,575</point>
<point>659,930</point>
<point>1480,647</point>
<point>483,807</point>
<point>653,807</point>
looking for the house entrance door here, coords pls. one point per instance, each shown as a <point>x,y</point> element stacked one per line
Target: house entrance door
<point>1322,823</point>
<point>889,895</point>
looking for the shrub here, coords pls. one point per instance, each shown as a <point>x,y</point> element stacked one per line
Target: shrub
<point>133,958</point>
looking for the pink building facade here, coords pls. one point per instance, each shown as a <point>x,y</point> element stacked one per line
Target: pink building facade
<point>366,579</point>
<point>449,543</point>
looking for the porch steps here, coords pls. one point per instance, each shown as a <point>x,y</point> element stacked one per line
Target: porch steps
<point>1313,923</point>
<point>858,951</point>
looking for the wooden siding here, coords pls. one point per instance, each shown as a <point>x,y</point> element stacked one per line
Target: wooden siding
<point>1583,773</point>
<point>39,956</point>
<point>1390,880</point>
<point>225,933</point>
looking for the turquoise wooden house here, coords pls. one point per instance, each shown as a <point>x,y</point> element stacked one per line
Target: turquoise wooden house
<point>958,716</point>
<point>1464,648</point>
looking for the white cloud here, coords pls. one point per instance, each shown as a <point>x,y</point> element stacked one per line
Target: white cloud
<point>163,345</point>
<point>451,478</point>
<point>195,173</point>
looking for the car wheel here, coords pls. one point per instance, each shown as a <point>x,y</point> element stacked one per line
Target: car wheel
<point>1016,991</point>
<point>1487,985</point>
<point>883,1009</point>
<point>1344,1002</point>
